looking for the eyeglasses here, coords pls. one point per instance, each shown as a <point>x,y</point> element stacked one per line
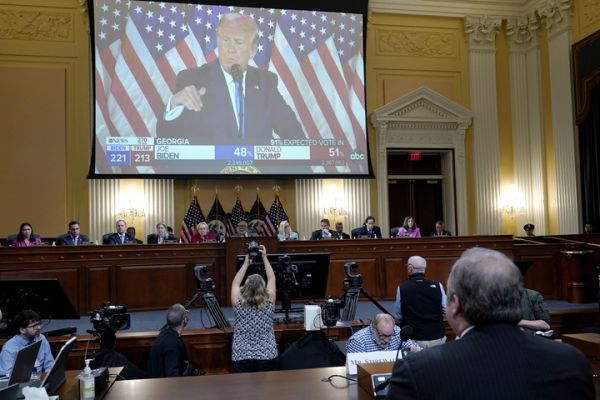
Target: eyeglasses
<point>381,335</point>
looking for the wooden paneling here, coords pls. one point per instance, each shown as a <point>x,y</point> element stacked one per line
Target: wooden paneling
<point>144,277</point>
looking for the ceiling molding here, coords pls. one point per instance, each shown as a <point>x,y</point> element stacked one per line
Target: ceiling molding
<point>453,8</point>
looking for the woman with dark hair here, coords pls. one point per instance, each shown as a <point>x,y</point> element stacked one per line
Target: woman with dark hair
<point>26,237</point>
<point>254,347</point>
<point>409,228</point>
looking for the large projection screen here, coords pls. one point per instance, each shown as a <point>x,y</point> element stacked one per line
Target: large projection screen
<point>188,89</point>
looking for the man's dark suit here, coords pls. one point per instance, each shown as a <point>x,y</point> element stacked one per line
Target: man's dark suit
<point>266,110</point>
<point>67,240</point>
<point>496,361</point>
<point>318,235</point>
<point>153,238</point>
<point>114,238</point>
<point>343,235</point>
<point>375,233</point>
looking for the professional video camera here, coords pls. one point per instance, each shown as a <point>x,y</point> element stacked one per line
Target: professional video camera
<point>330,311</point>
<point>352,280</point>
<point>204,282</point>
<point>109,319</point>
<point>253,249</point>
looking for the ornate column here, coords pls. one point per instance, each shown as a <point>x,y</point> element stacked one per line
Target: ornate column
<point>481,33</point>
<point>555,16</point>
<point>527,118</point>
<point>382,177</point>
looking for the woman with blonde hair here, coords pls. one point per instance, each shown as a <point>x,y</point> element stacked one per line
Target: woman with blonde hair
<point>254,347</point>
<point>285,231</point>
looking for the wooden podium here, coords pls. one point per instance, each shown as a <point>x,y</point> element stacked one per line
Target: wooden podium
<point>366,372</point>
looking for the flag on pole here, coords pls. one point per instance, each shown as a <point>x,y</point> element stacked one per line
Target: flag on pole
<point>191,220</point>
<point>273,219</point>
<point>257,216</point>
<point>217,219</point>
<point>237,214</point>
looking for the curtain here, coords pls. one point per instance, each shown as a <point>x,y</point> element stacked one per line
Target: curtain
<point>589,155</point>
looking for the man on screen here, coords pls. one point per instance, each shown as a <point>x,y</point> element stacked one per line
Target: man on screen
<point>226,101</point>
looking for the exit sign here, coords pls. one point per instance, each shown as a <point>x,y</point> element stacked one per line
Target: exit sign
<point>414,155</point>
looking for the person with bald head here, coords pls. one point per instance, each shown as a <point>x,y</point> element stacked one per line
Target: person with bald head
<point>228,101</point>
<point>421,304</point>
<point>491,358</point>
<point>381,335</point>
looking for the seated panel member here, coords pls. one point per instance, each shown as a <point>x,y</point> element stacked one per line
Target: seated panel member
<point>131,233</point>
<point>285,232</point>
<point>161,235</point>
<point>339,228</point>
<point>118,237</point>
<point>243,230</point>
<point>369,229</point>
<point>492,358</point>
<point>28,324</point>
<point>203,235</point>
<point>409,228</point>
<point>324,232</point>
<point>73,238</point>
<point>240,102</point>
<point>381,335</point>
<point>26,237</point>
<point>440,229</point>
<point>168,355</point>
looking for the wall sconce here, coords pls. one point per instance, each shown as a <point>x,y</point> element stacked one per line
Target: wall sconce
<point>512,201</point>
<point>333,204</point>
<point>129,202</point>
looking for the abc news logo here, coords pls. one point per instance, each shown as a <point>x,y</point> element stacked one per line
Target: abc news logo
<point>357,156</point>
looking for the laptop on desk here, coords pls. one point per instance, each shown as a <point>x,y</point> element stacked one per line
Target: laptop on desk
<point>23,366</point>
<point>56,376</point>
<point>10,392</point>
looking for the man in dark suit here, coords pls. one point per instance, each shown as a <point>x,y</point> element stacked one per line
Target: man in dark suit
<point>339,228</point>
<point>168,355</point>
<point>324,232</point>
<point>369,229</point>
<point>243,230</point>
<point>118,237</point>
<point>440,229</point>
<point>226,101</point>
<point>491,358</point>
<point>73,237</point>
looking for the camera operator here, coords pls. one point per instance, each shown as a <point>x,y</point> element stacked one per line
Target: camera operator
<point>168,356</point>
<point>254,347</point>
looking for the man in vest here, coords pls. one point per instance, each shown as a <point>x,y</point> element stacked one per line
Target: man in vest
<point>421,304</point>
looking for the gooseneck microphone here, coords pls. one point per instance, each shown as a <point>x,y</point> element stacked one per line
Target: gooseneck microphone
<point>238,77</point>
<point>405,333</point>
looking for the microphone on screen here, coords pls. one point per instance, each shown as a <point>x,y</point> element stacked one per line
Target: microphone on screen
<point>236,73</point>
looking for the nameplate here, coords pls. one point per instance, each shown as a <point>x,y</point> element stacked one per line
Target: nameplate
<point>373,357</point>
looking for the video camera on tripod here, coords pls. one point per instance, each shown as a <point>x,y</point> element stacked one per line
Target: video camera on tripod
<point>286,271</point>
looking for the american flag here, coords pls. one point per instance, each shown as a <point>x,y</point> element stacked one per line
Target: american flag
<point>191,220</point>
<point>257,215</point>
<point>237,214</point>
<point>273,219</point>
<point>141,47</point>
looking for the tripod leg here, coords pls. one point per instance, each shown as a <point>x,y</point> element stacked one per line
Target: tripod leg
<point>215,310</point>
<point>351,298</point>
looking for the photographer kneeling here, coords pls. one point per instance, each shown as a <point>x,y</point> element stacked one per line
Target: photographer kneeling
<point>168,356</point>
<point>254,347</point>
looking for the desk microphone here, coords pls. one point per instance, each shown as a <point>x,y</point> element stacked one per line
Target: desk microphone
<point>405,333</point>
